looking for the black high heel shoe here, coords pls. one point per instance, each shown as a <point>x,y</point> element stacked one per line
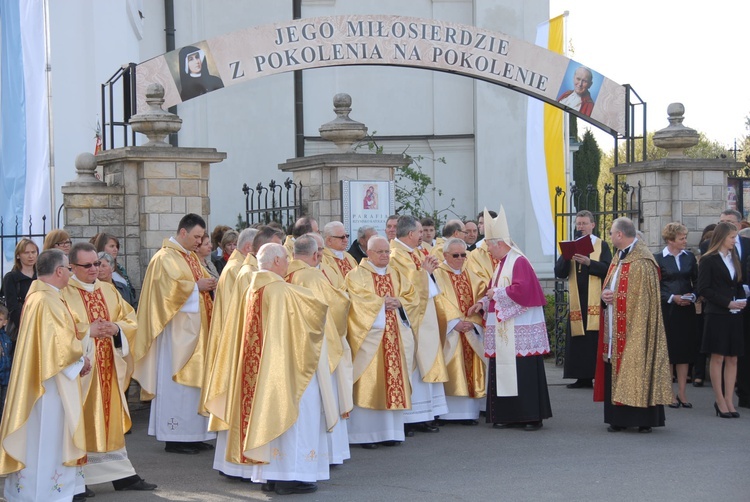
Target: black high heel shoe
<point>721,413</point>
<point>734,414</point>
<point>684,404</point>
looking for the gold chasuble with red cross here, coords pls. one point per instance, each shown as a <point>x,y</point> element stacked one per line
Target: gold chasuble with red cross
<point>262,371</point>
<point>641,375</point>
<point>47,344</point>
<point>104,407</point>
<point>463,352</point>
<point>169,282</point>
<point>384,356</point>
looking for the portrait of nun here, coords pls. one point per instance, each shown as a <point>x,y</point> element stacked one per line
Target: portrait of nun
<point>194,76</point>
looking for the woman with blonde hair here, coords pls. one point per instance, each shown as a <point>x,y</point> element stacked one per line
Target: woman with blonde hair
<point>17,282</point>
<point>228,244</point>
<point>58,239</point>
<point>720,284</point>
<point>679,275</point>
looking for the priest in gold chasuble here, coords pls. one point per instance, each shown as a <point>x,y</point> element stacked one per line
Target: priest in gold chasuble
<point>428,394</point>
<point>382,304</point>
<point>42,431</point>
<point>303,225</point>
<point>337,369</point>
<point>222,299</point>
<point>461,334</point>
<point>222,344</point>
<point>264,235</point>
<point>453,229</point>
<point>633,375</point>
<point>481,263</point>
<point>169,349</point>
<point>335,255</point>
<point>107,325</point>
<point>269,393</point>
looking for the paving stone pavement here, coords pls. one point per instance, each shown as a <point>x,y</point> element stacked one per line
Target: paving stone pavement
<point>697,456</point>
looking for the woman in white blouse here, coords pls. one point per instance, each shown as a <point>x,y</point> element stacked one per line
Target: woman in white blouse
<point>720,284</point>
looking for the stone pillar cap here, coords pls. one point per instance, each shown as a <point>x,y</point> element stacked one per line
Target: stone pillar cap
<point>85,166</point>
<point>155,123</point>
<point>676,138</point>
<point>342,130</point>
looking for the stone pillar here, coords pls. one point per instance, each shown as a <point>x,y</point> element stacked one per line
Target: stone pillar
<point>678,188</point>
<point>93,206</point>
<point>320,175</point>
<point>146,189</point>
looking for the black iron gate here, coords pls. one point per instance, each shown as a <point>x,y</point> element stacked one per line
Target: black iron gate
<point>19,231</point>
<point>619,199</point>
<point>279,203</point>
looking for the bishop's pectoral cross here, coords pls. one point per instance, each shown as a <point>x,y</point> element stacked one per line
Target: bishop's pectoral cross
<point>172,423</point>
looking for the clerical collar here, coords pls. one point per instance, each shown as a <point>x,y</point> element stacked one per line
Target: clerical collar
<point>85,285</point>
<point>53,287</point>
<point>379,270</point>
<point>337,254</point>
<point>411,250</point>
<point>457,272</point>
<point>624,252</point>
<point>270,272</point>
<point>173,240</point>
<point>665,252</point>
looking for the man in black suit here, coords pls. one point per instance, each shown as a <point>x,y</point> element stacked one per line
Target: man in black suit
<point>358,249</point>
<point>742,245</point>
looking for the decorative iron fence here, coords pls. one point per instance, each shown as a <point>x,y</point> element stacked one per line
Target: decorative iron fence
<point>20,230</point>
<point>619,199</point>
<point>281,203</point>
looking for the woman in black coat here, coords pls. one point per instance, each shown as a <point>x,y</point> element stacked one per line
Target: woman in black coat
<point>17,282</point>
<point>679,275</point>
<point>720,284</point>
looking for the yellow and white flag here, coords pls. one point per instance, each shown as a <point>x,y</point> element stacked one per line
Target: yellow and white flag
<point>545,144</point>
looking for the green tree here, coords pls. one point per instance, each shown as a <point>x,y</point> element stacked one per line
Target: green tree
<point>586,166</point>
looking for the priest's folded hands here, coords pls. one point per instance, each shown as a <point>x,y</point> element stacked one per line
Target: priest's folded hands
<point>207,284</point>
<point>101,328</point>
<point>392,303</point>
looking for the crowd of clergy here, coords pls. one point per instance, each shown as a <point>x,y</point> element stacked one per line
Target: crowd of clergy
<point>304,347</point>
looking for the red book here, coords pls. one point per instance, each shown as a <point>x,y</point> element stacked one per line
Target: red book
<point>582,246</point>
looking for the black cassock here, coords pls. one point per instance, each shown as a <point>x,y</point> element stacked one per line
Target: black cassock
<point>580,351</point>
